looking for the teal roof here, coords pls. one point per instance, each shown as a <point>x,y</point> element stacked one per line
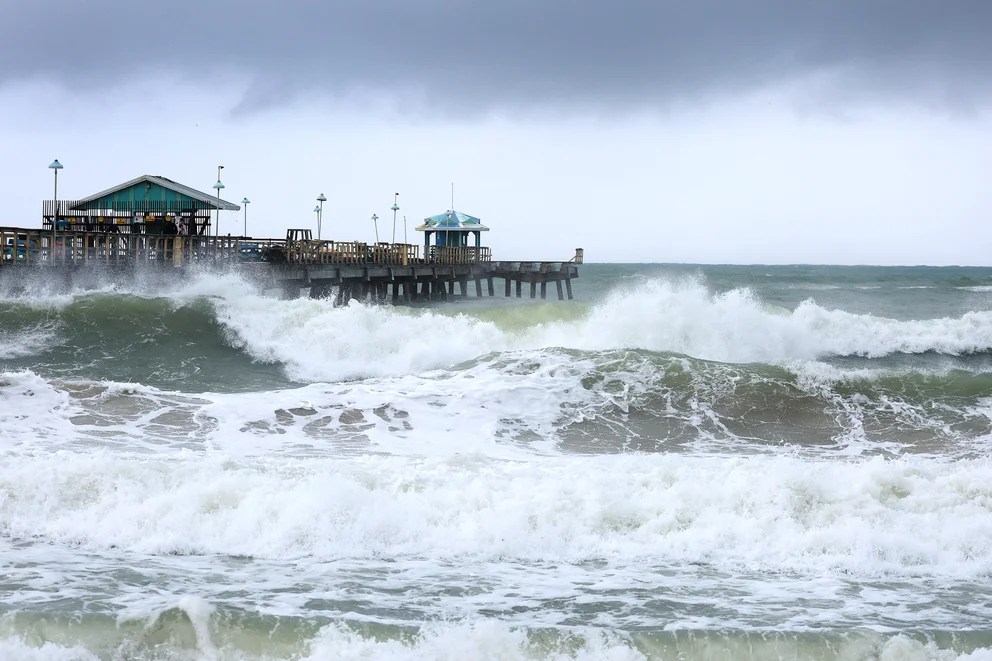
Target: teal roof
<point>452,221</point>
<point>150,190</point>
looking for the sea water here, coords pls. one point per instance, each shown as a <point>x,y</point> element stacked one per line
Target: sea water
<point>691,462</point>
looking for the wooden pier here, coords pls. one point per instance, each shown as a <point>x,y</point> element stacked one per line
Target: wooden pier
<point>298,264</point>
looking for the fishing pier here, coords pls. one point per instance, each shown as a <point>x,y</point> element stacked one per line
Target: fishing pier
<point>154,224</point>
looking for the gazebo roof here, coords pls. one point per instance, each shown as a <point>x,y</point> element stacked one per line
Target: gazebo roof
<point>166,190</point>
<point>452,221</point>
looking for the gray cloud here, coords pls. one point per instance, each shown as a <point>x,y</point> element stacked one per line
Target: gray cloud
<point>512,53</point>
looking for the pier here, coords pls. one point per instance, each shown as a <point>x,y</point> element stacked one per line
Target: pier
<point>154,223</point>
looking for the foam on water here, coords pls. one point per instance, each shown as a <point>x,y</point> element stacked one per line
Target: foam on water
<point>684,317</point>
<point>436,460</point>
<point>517,403</point>
<point>32,409</point>
<point>864,518</point>
<point>25,343</point>
<point>319,342</point>
<point>490,639</point>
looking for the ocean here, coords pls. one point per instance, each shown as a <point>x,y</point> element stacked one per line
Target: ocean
<point>685,462</point>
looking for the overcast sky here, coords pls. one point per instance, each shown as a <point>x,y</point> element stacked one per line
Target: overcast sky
<point>843,131</point>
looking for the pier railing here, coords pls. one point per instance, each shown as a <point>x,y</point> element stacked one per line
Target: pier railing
<point>78,246</point>
<point>459,255</point>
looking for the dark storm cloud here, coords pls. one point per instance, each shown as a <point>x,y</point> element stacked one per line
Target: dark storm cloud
<point>478,55</point>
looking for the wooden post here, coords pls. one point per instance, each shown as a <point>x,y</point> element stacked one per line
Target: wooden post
<point>489,283</point>
<point>519,283</point>
<point>568,287</point>
<point>561,297</point>
<point>478,288</point>
<point>177,251</point>
<point>533,288</point>
<point>506,281</point>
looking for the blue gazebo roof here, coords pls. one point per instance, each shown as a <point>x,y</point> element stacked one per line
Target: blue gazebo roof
<point>452,221</point>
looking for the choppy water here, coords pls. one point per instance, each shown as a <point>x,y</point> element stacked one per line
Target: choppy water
<point>684,462</point>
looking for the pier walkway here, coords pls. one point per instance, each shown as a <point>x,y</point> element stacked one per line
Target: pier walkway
<point>381,272</point>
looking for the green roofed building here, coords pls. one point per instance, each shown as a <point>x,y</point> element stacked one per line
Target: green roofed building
<point>148,204</point>
<point>452,229</point>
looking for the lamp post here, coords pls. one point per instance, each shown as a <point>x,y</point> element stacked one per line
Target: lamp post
<point>376,225</point>
<point>404,230</point>
<point>316,211</point>
<point>55,167</point>
<point>395,208</point>
<point>320,213</point>
<point>246,202</point>
<point>219,185</point>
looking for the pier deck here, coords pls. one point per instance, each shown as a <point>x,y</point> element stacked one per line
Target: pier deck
<point>383,272</point>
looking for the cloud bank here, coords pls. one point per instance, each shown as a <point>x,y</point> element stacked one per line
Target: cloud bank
<point>467,56</point>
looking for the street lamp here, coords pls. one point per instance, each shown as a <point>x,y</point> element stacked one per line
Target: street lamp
<point>395,208</point>
<point>320,212</point>
<point>219,185</point>
<point>246,202</point>
<point>376,225</point>
<point>56,166</point>
<point>316,211</point>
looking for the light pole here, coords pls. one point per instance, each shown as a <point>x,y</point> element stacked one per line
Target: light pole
<point>376,225</point>
<point>219,185</point>
<point>316,211</point>
<point>246,202</point>
<point>56,166</point>
<point>404,231</point>
<point>320,213</point>
<point>395,208</point>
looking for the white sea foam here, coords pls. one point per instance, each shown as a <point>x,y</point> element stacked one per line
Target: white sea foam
<point>318,342</point>
<point>468,640</point>
<point>25,343</point>
<point>16,648</point>
<point>490,639</point>
<point>875,517</point>
<point>737,327</point>
<point>32,409</point>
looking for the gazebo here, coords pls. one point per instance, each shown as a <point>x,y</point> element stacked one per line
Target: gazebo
<point>148,204</point>
<point>452,229</point>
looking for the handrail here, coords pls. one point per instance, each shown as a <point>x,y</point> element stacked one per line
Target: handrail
<point>79,245</point>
